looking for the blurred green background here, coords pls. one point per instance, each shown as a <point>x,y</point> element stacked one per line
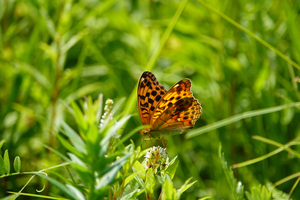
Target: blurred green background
<point>55,52</point>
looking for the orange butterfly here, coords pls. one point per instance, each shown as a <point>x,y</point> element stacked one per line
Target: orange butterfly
<point>167,112</point>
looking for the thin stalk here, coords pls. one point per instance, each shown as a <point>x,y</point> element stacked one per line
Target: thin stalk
<point>294,186</point>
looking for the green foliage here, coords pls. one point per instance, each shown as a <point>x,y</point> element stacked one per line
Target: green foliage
<point>237,189</point>
<point>241,56</point>
<point>259,192</point>
<point>17,164</point>
<point>5,164</point>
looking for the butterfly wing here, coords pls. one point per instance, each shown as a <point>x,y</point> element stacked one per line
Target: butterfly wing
<point>177,111</point>
<point>149,94</point>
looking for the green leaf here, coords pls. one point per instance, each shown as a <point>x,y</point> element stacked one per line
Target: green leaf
<point>110,133</point>
<point>237,189</point>
<point>259,192</point>
<point>81,122</point>
<point>2,142</point>
<point>168,190</point>
<point>49,22</point>
<point>60,186</point>
<point>84,90</point>
<point>140,170</point>
<point>70,148</point>
<point>90,111</point>
<point>102,162</point>
<point>57,153</point>
<point>276,193</point>
<point>37,196</point>
<point>17,164</point>
<point>184,187</point>
<point>78,194</point>
<point>132,195</point>
<point>74,137</point>
<point>113,169</point>
<point>129,178</point>
<point>204,198</point>
<point>73,40</point>
<point>6,162</point>
<point>76,160</point>
<point>2,166</point>
<point>150,181</point>
<point>139,167</point>
<point>171,170</point>
<point>85,174</point>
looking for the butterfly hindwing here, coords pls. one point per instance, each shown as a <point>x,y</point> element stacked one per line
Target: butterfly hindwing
<point>177,111</point>
<point>149,94</point>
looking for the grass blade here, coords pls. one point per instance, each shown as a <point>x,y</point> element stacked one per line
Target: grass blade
<point>238,117</point>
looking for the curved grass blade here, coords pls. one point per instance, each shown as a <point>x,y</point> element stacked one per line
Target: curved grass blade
<point>238,117</point>
<point>281,148</point>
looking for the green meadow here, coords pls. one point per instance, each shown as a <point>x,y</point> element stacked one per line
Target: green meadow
<point>69,117</point>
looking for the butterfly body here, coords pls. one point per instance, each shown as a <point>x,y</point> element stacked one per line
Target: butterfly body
<point>167,112</point>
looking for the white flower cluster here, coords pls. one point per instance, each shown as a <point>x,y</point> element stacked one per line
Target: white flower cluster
<point>155,158</point>
<point>107,114</point>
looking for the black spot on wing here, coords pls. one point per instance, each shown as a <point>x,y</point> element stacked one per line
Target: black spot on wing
<point>142,97</point>
<point>144,104</point>
<point>150,101</point>
<point>158,97</point>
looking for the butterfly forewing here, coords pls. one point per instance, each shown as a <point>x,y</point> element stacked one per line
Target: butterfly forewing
<point>177,111</point>
<point>149,94</point>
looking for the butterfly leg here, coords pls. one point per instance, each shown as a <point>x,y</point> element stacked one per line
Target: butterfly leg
<point>144,140</point>
<point>162,141</point>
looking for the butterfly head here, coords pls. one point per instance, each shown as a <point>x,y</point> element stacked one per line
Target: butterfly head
<point>145,132</point>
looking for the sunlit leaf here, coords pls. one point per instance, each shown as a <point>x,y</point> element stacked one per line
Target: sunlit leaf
<point>6,162</point>
<point>17,164</point>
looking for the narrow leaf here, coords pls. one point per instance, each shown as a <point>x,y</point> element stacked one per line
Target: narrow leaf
<point>168,190</point>
<point>78,194</point>
<point>6,162</point>
<point>132,195</point>
<point>60,186</point>
<point>184,187</point>
<point>2,142</point>
<point>129,178</point>
<point>2,166</point>
<point>236,118</point>
<point>111,174</point>
<point>17,164</point>
<point>171,170</point>
<point>237,189</point>
<point>74,137</point>
<point>111,132</point>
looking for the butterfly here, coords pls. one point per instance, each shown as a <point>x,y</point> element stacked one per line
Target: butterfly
<point>167,112</point>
